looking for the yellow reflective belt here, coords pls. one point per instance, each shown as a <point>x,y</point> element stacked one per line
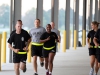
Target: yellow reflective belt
<point>22,52</point>
<point>91,46</point>
<point>94,47</point>
<point>49,48</point>
<point>37,44</point>
<point>98,46</point>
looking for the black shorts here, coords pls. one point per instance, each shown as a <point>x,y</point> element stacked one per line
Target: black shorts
<point>17,58</point>
<point>98,57</point>
<point>92,51</point>
<point>36,51</point>
<point>46,52</point>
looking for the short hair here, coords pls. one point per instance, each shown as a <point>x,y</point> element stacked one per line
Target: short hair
<point>19,21</point>
<point>38,19</point>
<point>95,23</point>
<point>48,25</point>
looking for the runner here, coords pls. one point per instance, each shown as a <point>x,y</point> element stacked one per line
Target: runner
<point>57,32</point>
<point>92,49</point>
<point>49,49</point>
<point>20,40</point>
<point>36,48</point>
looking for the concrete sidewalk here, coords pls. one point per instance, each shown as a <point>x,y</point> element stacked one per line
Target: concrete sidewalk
<point>73,62</point>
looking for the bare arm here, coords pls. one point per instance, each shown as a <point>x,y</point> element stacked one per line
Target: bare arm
<point>28,43</point>
<point>10,46</point>
<point>95,41</point>
<point>59,37</point>
<point>88,41</point>
<point>43,41</point>
<point>13,49</point>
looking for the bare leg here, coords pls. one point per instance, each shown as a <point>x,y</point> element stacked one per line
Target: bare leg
<point>35,63</point>
<point>16,67</point>
<point>96,66</point>
<point>22,66</point>
<point>51,58</point>
<point>46,63</point>
<point>92,61</point>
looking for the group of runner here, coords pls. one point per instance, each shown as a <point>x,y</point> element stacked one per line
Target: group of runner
<point>43,45</point>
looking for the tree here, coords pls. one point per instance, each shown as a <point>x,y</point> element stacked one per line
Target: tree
<point>4,15</point>
<point>28,19</point>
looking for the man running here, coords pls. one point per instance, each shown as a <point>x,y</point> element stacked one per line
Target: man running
<point>36,48</point>
<point>20,40</point>
<point>57,32</point>
<point>49,49</point>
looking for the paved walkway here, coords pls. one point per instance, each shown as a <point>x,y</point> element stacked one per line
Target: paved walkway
<point>73,62</point>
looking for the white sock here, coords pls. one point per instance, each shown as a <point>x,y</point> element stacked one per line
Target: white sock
<point>36,72</point>
<point>92,68</point>
<point>47,70</point>
<point>95,74</point>
<point>50,72</point>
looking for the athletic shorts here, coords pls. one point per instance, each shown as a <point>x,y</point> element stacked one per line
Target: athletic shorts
<point>36,51</point>
<point>92,51</point>
<point>17,58</point>
<point>46,52</point>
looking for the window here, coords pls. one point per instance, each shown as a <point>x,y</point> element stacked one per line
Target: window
<point>46,12</point>
<point>61,16</point>
<point>5,16</point>
<point>4,22</point>
<point>28,13</point>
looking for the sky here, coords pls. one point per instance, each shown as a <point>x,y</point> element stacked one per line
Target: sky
<point>28,4</point>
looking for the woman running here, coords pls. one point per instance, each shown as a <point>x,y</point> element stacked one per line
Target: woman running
<point>49,49</point>
<point>92,49</point>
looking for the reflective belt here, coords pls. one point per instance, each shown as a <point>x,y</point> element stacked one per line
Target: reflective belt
<point>91,46</point>
<point>37,44</point>
<point>48,48</point>
<point>22,52</point>
<point>94,47</point>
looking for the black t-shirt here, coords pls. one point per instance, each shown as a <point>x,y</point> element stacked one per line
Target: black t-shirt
<point>14,31</point>
<point>51,42</point>
<point>19,40</point>
<point>91,35</point>
<point>97,35</point>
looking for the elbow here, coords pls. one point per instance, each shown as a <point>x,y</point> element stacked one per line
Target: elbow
<point>41,41</point>
<point>94,40</point>
<point>29,40</point>
<point>9,45</point>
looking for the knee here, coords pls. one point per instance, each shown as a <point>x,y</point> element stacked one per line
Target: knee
<point>92,62</point>
<point>46,62</point>
<point>22,67</point>
<point>34,60</point>
<point>99,65</point>
<point>16,67</point>
<point>50,61</point>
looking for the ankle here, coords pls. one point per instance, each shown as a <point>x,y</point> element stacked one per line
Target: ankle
<point>50,72</point>
<point>47,70</point>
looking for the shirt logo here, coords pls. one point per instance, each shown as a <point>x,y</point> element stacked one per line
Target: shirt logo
<point>53,51</point>
<point>22,38</point>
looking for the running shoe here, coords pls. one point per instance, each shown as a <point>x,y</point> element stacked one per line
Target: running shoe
<point>91,71</point>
